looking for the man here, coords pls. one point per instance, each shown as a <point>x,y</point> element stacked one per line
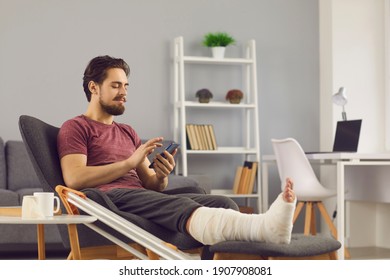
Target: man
<point>97,152</point>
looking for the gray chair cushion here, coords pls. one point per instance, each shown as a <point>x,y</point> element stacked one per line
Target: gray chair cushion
<point>3,174</point>
<point>20,171</point>
<point>300,246</point>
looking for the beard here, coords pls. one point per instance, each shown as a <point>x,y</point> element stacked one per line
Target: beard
<point>114,110</point>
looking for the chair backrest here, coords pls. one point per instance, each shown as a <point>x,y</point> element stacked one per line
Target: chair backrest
<point>293,163</point>
<point>40,139</point>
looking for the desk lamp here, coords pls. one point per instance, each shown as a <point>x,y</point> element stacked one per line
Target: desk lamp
<point>339,98</point>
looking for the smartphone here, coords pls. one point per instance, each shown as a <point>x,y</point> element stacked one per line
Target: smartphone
<point>170,148</point>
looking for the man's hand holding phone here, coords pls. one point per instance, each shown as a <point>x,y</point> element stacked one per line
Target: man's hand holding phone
<point>170,149</point>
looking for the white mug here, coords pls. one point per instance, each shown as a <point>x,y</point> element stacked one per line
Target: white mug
<point>30,207</point>
<point>45,202</point>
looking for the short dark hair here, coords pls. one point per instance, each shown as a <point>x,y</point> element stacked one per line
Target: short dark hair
<point>97,71</point>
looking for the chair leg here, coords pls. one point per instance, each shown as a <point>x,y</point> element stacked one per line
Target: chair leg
<point>313,225</point>
<point>74,242</point>
<point>333,255</point>
<point>331,226</point>
<point>327,218</point>
<point>298,210</point>
<point>308,219</point>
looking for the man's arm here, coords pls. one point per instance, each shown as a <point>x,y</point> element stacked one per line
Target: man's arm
<point>77,175</point>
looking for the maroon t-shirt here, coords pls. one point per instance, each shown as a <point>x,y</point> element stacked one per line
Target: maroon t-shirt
<point>102,144</point>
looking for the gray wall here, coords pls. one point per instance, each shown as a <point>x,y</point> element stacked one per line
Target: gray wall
<point>46,44</point>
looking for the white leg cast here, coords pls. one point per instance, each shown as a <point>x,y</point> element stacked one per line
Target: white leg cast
<point>213,225</point>
<point>278,221</point>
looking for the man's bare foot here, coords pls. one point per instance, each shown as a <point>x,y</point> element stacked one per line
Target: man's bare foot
<point>278,219</point>
<point>288,192</point>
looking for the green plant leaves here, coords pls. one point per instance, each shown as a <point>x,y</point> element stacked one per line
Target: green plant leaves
<point>218,39</point>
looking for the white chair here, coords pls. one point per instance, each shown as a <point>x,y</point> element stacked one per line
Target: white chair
<point>293,163</point>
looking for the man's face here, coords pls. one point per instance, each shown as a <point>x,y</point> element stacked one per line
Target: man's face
<point>113,92</point>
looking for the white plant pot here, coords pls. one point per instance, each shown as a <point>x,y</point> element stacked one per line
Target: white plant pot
<point>218,52</point>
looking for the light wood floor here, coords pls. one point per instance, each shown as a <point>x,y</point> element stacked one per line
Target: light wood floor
<point>369,253</point>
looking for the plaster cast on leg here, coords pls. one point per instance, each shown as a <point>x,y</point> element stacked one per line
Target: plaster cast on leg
<point>213,225</point>
<point>278,221</point>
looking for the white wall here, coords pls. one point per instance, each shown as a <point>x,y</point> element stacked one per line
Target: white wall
<point>352,54</point>
<point>46,44</point>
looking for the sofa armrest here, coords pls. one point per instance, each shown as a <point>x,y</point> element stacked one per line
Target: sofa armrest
<point>180,184</point>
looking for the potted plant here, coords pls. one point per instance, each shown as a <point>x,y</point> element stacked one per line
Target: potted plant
<point>204,95</point>
<point>218,41</point>
<point>234,96</point>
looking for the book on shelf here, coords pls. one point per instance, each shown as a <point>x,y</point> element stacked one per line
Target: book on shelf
<point>237,179</point>
<point>191,144</point>
<point>197,137</point>
<point>207,137</point>
<point>252,177</point>
<point>14,211</point>
<point>244,180</point>
<point>212,136</point>
<point>200,137</point>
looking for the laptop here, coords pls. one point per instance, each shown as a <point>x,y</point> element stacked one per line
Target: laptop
<point>346,138</point>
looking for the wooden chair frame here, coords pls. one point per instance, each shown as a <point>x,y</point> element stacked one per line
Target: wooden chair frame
<point>145,246</point>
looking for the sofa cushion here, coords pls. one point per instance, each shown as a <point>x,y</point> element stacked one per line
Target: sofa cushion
<point>17,237</point>
<point>177,181</point>
<point>20,171</point>
<point>8,198</point>
<point>29,191</point>
<point>3,171</point>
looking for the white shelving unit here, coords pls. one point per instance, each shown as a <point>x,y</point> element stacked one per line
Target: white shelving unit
<point>249,107</point>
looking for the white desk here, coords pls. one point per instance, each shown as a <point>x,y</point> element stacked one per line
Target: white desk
<point>40,222</point>
<point>341,160</point>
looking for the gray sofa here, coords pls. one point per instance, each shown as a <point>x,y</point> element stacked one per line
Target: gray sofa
<point>18,178</point>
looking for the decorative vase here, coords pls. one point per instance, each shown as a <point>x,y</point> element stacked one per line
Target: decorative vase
<point>218,52</point>
<point>204,95</point>
<point>234,96</point>
<point>235,100</point>
<point>204,99</point>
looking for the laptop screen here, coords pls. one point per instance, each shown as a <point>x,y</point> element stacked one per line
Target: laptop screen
<point>347,136</point>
